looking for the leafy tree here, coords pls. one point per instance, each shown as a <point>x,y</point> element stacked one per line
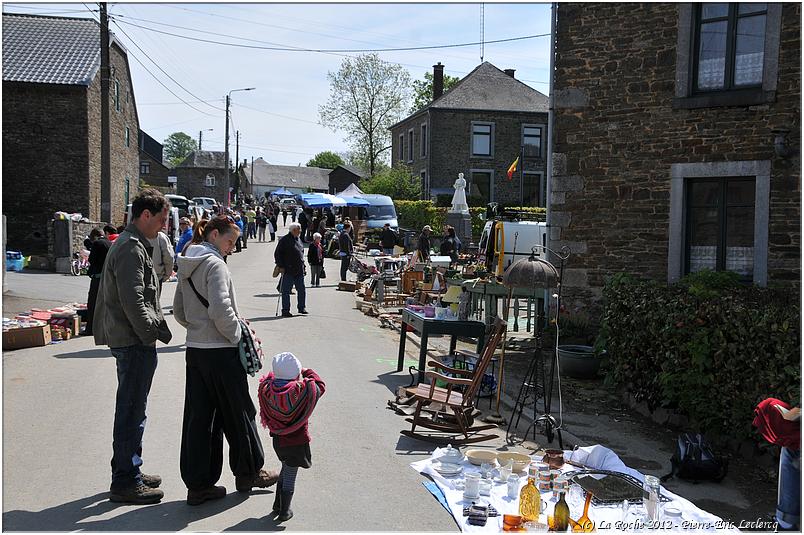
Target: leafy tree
<point>396,182</point>
<point>177,146</point>
<point>367,96</point>
<point>423,90</point>
<point>326,160</point>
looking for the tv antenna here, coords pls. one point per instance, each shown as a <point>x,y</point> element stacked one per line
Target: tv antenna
<point>482,31</point>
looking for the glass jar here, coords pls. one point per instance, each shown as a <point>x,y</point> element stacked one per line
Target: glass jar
<point>650,497</point>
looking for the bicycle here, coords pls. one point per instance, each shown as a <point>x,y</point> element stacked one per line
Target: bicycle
<point>80,263</point>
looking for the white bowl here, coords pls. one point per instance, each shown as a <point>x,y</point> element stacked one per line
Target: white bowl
<point>478,457</point>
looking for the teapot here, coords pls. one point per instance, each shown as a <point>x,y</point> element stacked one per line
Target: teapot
<point>451,455</point>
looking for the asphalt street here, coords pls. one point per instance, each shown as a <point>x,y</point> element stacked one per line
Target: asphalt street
<point>58,409</point>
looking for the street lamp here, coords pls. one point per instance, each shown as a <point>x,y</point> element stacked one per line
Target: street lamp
<point>200,133</point>
<point>226,143</point>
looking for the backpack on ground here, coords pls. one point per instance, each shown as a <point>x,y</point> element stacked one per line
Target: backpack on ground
<point>695,461</point>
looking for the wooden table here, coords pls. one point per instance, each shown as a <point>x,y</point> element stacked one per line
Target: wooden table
<point>427,326</point>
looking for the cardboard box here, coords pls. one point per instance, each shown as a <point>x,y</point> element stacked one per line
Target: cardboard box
<point>73,323</point>
<point>28,337</point>
<point>346,286</point>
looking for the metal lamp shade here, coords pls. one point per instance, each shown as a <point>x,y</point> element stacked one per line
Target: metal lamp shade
<point>531,273</point>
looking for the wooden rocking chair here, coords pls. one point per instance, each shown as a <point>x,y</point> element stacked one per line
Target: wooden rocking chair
<point>458,427</point>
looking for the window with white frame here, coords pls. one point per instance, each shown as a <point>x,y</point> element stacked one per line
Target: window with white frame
<point>482,139</point>
<point>210,180</point>
<point>401,147</point>
<point>532,140</point>
<point>410,145</point>
<point>423,141</point>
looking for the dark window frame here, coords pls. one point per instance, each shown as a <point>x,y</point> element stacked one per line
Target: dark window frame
<point>411,151</point>
<point>401,154</point>
<point>145,168</point>
<point>722,209</point>
<point>490,135</point>
<point>538,127</point>
<point>423,140</point>
<point>731,19</point>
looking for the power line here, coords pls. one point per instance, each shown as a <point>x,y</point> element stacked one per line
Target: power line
<point>176,103</point>
<point>163,70</point>
<point>321,50</point>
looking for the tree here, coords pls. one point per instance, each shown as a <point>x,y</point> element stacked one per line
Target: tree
<point>367,96</point>
<point>423,90</point>
<point>177,146</point>
<point>326,160</point>
<point>396,182</point>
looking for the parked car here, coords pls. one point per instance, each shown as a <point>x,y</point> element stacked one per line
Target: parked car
<point>181,202</point>
<point>205,202</point>
<point>288,204</point>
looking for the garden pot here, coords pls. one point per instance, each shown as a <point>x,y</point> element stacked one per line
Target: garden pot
<point>579,361</point>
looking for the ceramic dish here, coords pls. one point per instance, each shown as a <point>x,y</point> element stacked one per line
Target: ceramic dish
<point>478,457</point>
<point>521,461</point>
<point>447,468</point>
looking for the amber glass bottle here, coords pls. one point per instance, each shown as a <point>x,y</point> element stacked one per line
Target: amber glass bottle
<point>561,514</point>
<point>530,501</point>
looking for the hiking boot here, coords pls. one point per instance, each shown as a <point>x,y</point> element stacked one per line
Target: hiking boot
<point>197,497</point>
<point>151,480</point>
<point>262,480</point>
<point>285,512</point>
<point>303,312</point>
<point>136,494</point>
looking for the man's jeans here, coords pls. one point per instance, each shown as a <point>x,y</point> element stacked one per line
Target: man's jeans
<point>388,251</point>
<point>288,282</point>
<point>135,372</point>
<point>788,506</point>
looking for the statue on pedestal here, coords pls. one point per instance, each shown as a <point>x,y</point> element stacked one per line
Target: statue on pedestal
<point>459,205</point>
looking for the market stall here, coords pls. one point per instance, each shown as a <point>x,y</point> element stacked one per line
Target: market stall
<point>451,472</point>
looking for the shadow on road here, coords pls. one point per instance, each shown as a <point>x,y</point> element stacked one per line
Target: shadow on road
<point>86,354</point>
<point>267,523</point>
<point>392,380</point>
<point>266,318</point>
<point>412,446</point>
<point>166,516</point>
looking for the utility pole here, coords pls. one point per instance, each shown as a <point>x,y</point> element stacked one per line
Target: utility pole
<point>106,170</point>
<point>237,149</point>
<point>200,133</point>
<point>226,153</point>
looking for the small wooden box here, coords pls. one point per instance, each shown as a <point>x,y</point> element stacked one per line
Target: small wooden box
<point>346,286</point>
<point>27,337</point>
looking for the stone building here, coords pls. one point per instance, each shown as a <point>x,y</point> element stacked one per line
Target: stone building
<point>677,139</point>
<point>342,176</point>
<point>203,174</point>
<point>51,125</point>
<point>264,177</point>
<point>152,171</point>
<point>479,127</point>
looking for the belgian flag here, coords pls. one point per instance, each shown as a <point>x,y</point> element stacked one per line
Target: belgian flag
<point>513,168</point>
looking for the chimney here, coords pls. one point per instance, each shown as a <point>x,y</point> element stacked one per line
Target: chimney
<point>438,80</point>
<point>510,72</point>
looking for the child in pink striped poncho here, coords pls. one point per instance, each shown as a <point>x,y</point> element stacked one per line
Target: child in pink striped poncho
<point>288,396</point>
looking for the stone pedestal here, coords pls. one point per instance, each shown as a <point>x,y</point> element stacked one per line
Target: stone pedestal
<point>463,226</point>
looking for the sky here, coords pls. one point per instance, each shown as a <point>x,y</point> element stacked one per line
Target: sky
<point>279,120</point>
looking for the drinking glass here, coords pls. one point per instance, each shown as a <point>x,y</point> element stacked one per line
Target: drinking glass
<point>575,498</point>
<point>485,470</point>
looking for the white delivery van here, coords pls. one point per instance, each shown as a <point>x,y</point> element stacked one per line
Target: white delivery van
<point>513,239</point>
<point>380,211</point>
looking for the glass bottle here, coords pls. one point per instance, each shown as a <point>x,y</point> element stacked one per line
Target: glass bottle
<point>561,513</point>
<point>584,524</point>
<point>530,501</point>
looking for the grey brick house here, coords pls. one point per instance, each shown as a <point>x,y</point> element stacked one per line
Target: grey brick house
<point>479,127</point>
<point>265,178</point>
<point>673,156</point>
<point>51,125</point>
<point>203,174</point>
<point>152,171</point>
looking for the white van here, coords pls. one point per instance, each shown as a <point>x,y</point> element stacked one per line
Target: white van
<point>515,240</point>
<point>205,202</point>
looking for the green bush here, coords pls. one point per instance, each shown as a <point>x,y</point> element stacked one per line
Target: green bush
<point>706,346</point>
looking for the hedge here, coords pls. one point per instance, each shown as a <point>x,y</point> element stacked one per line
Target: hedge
<point>707,346</point>
<point>414,215</point>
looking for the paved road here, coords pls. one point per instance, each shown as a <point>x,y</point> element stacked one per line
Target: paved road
<point>58,409</point>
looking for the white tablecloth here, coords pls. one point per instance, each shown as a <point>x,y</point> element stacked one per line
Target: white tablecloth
<point>605,517</point>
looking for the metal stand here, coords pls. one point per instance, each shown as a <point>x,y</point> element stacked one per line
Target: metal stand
<point>536,384</point>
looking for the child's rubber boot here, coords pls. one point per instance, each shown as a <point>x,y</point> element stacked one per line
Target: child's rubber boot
<point>284,512</point>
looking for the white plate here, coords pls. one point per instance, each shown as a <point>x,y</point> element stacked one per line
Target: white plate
<point>447,468</point>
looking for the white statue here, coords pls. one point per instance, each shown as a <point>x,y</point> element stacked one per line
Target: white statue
<point>459,205</point>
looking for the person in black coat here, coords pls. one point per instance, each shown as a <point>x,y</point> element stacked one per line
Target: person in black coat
<point>388,239</point>
<point>289,256</point>
<point>423,246</point>
<point>315,257</point>
<point>345,247</point>
<point>450,245</point>
<point>99,247</point>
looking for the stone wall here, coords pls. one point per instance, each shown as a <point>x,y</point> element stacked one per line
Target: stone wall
<point>191,182</point>
<point>449,151</point>
<point>158,173</point>
<point>617,133</point>
<point>44,159</point>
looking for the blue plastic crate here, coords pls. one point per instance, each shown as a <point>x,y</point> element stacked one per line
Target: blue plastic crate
<point>15,264</point>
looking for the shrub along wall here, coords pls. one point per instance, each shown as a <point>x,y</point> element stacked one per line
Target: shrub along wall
<point>414,215</point>
<point>707,346</point>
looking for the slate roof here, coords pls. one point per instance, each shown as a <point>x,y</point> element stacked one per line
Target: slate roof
<point>288,176</point>
<point>51,50</point>
<point>204,159</point>
<point>489,88</point>
<point>352,169</point>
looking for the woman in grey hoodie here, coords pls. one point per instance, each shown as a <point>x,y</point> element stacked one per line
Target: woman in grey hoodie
<point>216,399</point>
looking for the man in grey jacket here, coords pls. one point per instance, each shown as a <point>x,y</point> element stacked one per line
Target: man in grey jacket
<point>128,319</point>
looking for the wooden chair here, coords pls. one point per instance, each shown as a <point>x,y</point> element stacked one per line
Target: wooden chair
<point>462,404</point>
